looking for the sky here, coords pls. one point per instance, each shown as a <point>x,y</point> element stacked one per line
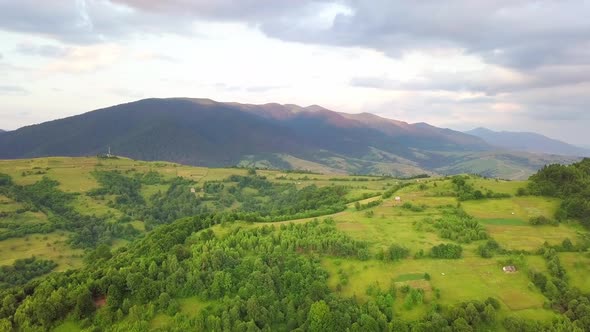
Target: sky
<point>506,64</point>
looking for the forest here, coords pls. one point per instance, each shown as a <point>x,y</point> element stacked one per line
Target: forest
<point>571,183</point>
<point>255,251</point>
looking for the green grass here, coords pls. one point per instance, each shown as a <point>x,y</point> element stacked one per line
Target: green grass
<point>386,228</point>
<point>503,221</point>
<point>149,191</point>
<point>190,306</point>
<point>8,205</point>
<point>67,326</point>
<point>161,320</point>
<point>139,225</point>
<point>409,277</point>
<point>531,237</point>
<point>522,208</point>
<point>577,266</point>
<point>460,280</point>
<point>51,246</point>
<point>497,186</point>
<point>27,217</point>
<point>94,206</point>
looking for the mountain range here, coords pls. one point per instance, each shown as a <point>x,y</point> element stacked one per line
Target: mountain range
<point>209,133</point>
<point>526,141</point>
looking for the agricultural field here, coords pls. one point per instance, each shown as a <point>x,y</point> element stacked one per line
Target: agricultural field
<point>367,236</point>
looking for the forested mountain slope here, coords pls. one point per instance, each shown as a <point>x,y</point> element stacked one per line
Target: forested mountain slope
<point>208,133</point>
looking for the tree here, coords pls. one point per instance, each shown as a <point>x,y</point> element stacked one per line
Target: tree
<point>5,325</point>
<point>461,325</point>
<point>319,317</point>
<point>84,304</point>
<point>489,313</point>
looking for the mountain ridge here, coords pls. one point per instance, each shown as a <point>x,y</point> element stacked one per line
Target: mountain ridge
<point>528,141</point>
<point>205,132</point>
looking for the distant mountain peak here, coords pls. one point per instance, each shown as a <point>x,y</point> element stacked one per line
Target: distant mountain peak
<point>528,142</point>
<point>201,131</point>
<point>315,108</point>
<point>481,129</point>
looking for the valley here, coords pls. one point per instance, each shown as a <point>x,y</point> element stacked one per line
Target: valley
<point>371,242</point>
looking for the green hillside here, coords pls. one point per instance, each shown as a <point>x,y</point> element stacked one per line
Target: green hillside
<point>116,244</point>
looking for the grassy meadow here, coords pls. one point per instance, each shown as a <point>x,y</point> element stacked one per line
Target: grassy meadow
<point>443,281</point>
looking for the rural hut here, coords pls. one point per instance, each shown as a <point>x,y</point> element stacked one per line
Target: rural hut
<point>509,269</point>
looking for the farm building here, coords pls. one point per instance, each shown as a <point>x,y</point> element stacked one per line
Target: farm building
<point>398,199</point>
<point>193,190</point>
<point>509,269</point>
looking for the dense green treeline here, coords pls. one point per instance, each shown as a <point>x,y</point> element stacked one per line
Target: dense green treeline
<point>281,200</point>
<point>458,227</point>
<point>23,270</point>
<point>265,278</point>
<point>446,251</point>
<point>360,206</point>
<point>257,198</point>
<point>563,298</point>
<point>571,183</point>
<point>465,191</point>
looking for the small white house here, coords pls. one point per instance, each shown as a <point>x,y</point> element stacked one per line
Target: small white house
<point>398,199</point>
<point>193,190</point>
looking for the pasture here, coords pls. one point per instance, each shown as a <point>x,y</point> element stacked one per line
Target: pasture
<point>52,246</point>
<point>391,222</point>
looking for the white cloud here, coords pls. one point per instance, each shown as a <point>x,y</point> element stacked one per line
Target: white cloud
<point>498,63</point>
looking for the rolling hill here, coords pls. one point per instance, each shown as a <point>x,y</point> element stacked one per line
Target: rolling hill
<point>529,142</point>
<point>209,133</point>
<point>186,245</point>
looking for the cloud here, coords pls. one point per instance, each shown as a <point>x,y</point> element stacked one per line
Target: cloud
<point>518,34</point>
<point>490,80</point>
<point>123,92</point>
<point>86,58</point>
<point>12,90</point>
<point>156,57</point>
<point>46,50</point>
<point>84,21</point>
<point>532,57</point>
